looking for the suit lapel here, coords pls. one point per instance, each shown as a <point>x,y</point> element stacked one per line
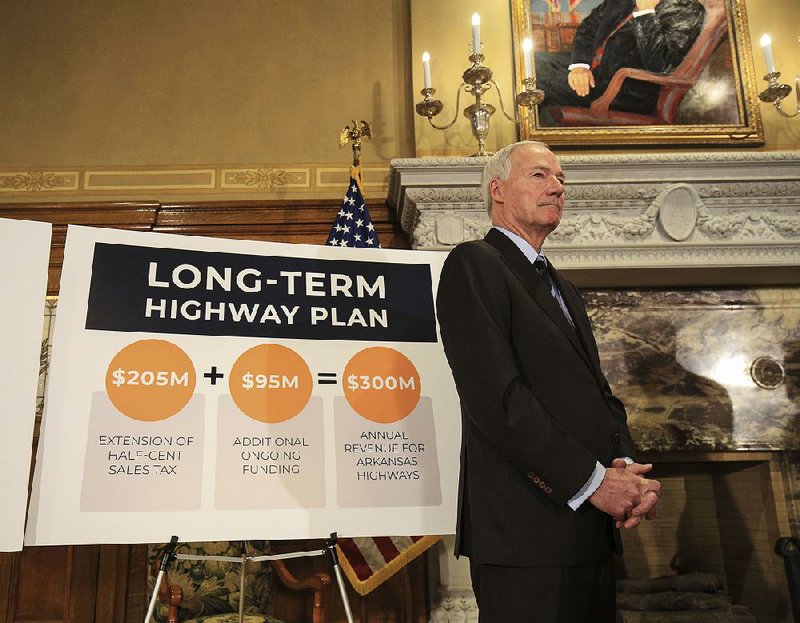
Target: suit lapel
<point>583,326</point>
<point>533,283</point>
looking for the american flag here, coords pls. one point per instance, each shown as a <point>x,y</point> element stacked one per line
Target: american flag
<point>353,226</point>
<point>368,561</point>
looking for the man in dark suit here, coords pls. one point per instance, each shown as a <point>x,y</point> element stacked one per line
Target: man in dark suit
<point>653,35</point>
<point>546,475</point>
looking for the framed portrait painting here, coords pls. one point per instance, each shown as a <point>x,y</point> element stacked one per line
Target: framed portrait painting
<point>649,72</point>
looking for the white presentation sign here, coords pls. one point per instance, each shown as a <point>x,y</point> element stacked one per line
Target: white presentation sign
<point>221,389</point>
<point>24,254</point>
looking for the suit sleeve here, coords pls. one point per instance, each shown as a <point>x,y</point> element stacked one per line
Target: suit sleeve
<point>474,314</point>
<point>664,37</point>
<point>583,46</point>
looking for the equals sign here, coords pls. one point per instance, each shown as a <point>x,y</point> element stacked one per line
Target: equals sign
<point>326,378</point>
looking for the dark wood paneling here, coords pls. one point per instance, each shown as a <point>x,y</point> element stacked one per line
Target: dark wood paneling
<point>112,583</point>
<point>9,572</point>
<point>305,222</point>
<point>137,598</point>
<point>84,583</point>
<point>42,584</point>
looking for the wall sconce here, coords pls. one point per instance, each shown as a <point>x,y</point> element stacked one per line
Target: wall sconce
<point>476,80</point>
<point>776,91</point>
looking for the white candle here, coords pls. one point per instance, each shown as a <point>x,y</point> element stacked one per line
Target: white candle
<point>476,33</point>
<point>426,69</point>
<point>766,45</point>
<point>527,46</point>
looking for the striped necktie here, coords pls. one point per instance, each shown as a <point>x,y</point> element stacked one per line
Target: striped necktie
<point>540,264</point>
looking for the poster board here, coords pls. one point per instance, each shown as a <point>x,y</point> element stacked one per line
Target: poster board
<point>24,255</point>
<point>220,389</point>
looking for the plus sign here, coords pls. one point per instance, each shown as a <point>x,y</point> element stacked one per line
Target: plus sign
<point>213,375</point>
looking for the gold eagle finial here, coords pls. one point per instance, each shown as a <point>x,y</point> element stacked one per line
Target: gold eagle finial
<point>353,133</point>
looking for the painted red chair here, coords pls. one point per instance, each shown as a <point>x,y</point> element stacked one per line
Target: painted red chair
<point>673,86</point>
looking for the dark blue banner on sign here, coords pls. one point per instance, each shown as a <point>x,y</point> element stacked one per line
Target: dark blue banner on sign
<point>158,290</point>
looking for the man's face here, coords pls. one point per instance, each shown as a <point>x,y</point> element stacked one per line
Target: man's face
<point>531,200</point>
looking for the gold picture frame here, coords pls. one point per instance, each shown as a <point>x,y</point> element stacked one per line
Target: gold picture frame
<point>708,98</point>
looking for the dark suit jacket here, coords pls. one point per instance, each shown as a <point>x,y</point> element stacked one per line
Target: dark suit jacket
<point>537,411</point>
<point>655,42</point>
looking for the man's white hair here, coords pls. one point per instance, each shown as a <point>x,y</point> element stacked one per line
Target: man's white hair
<point>498,167</point>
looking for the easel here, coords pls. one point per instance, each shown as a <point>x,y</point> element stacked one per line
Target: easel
<point>169,554</point>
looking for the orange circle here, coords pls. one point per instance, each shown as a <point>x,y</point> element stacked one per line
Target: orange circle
<point>150,380</point>
<point>270,383</point>
<point>381,384</point>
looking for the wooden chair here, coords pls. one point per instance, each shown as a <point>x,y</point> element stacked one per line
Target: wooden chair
<point>207,591</point>
<point>673,86</point>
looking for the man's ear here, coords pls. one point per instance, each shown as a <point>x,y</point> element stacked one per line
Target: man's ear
<point>495,191</point>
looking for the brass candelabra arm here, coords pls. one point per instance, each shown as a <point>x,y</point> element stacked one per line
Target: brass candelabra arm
<point>500,97</point>
<point>786,114</point>
<point>430,107</point>
<point>776,92</point>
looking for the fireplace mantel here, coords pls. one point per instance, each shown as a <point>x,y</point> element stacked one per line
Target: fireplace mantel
<point>712,218</point>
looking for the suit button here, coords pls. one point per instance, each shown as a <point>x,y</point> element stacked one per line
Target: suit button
<point>615,438</point>
<point>548,490</point>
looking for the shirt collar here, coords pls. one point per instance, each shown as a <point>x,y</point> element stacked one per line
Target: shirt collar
<point>523,245</point>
